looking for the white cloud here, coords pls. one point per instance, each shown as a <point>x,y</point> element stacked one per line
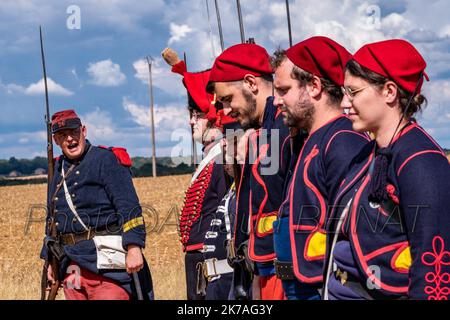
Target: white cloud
<point>438,96</point>
<point>171,117</point>
<point>38,138</point>
<point>105,73</point>
<point>139,114</point>
<point>99,124</point>
<point>73,71</point>
<point>445,31</point>
<point>162,77</point>
<point>166,117</point>
<point>177,32</point>
<point>12,88</point>
<point>141,68</point>
<point>437,91</point>
<point>38,88</point>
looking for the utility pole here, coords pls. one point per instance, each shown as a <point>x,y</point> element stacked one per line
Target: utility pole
<point>150,87</point>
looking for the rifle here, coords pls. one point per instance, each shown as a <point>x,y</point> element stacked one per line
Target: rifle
<point>51,256</point>
<point>219,25</point>
<point>194,144</point>
<point>288,14</point>
<point>241,22</point>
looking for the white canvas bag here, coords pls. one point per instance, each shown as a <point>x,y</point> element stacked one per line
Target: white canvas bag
<point>110,252</point>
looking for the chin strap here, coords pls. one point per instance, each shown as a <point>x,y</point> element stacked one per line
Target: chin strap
<point>378,182</point>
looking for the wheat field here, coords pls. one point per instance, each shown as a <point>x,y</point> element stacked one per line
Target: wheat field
<point>21,238</point>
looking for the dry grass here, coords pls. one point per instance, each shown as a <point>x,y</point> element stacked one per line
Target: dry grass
<point>20,266</point>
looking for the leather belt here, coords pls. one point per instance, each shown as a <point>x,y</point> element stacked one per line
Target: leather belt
<point>74,238</point>
<point>284,270</point>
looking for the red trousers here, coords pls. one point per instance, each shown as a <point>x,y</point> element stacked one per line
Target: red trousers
<point>271,288</point>
<point>81,284</point>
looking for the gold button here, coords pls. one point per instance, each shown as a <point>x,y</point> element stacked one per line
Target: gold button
<point>56,198</point>
<point>75,184</point>
<point>73,195</point>
<point>78,172</point>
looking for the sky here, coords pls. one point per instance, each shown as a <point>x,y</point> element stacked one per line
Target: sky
<point>95,56</point>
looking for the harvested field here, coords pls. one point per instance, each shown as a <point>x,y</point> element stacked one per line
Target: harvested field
<point>21,238</point>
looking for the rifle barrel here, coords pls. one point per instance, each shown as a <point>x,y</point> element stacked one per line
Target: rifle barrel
<point>194,144</point>
<point>47,117</point>
<point>219,25</point>
<point>288,14</point>
<point>241,23</point>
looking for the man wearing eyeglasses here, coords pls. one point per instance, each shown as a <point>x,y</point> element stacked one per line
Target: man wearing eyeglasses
<point>208,185</point>
<point>308,80</point>
<point>92,196</point>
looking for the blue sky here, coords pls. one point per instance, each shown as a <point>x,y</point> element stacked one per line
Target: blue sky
<point>99,69</point>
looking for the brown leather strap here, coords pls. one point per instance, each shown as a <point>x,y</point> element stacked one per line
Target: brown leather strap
<point>284,270</point>
<point>74,238</point>
<point>60,183</point>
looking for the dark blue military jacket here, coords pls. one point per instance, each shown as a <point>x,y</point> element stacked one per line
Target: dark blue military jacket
<point>201,200</point>
<point>321,166</point>
<point>262,181</point>
<point>104,197</point>
<point>406,238</point>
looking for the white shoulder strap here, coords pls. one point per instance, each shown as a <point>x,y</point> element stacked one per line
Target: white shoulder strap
<point>214,152</point>
<point>69,199</point>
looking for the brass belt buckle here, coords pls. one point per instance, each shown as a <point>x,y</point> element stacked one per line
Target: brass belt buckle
<point>205,270</point>
<point>214,265</point>
<point>342,276</point>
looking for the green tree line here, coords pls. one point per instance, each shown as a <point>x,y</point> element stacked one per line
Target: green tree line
<point>142,167</point>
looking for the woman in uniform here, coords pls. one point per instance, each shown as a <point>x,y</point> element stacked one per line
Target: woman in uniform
<point>390,222</point>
